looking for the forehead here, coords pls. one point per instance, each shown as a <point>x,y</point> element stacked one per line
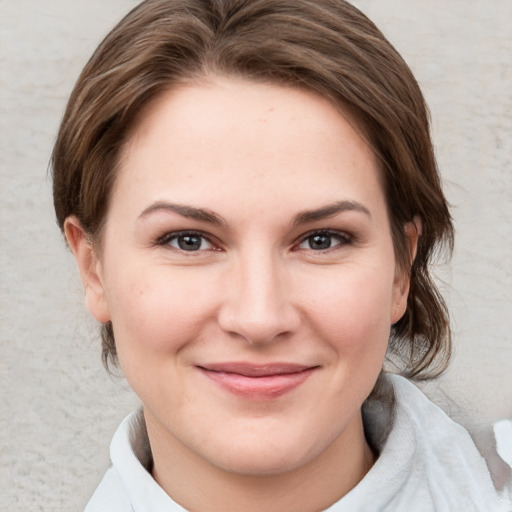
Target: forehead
<point>232,140</point>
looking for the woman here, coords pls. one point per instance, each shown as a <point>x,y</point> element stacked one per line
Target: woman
<point>250,191</point>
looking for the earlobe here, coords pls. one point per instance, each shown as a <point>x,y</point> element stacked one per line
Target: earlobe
<point>401,292</point>
<point>402,278</point>
<point>89,267</point>
<point>413,232</point>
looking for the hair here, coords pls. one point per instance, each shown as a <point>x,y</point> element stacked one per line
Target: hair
<point>325,46</point>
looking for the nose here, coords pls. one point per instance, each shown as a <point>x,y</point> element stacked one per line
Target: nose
<point>258,305</point>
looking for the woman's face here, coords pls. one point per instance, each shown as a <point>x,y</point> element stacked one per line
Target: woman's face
<point>248,269</point>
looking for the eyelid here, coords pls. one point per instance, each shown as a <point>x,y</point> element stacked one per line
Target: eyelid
<point>166,238</point>
<point>343,237</point>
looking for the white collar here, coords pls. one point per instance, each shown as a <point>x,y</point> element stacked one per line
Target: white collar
<point>426,461</point>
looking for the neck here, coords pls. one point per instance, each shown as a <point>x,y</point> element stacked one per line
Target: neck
<point>203,487</point>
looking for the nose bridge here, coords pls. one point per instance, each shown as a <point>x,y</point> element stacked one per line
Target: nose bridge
<point>258,306</point>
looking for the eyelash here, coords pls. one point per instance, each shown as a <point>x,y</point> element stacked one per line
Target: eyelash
<point>175,235</point>
<point>343,239</point>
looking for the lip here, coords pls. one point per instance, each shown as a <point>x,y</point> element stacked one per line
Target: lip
<point>258,382</point>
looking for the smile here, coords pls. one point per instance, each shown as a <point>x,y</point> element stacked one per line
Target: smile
<point>258,382</point>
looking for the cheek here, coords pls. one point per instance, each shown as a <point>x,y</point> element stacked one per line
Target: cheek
<point>353,312</point>
<point>158,312</point>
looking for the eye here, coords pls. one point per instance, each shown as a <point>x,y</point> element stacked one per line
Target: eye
<point>323,240</point>
<point>189,241</point>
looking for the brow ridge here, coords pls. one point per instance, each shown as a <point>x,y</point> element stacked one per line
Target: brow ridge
<point>190,212</point>
<point>305,217</point>
<point>328,211</point>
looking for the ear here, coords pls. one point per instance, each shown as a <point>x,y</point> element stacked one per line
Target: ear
<point>402,277</point>
<point>90,269</point>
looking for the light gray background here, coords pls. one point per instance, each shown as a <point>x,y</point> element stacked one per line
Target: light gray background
<point>58,406</point>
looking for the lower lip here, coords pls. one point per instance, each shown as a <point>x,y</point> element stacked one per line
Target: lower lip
<point>259,388</point>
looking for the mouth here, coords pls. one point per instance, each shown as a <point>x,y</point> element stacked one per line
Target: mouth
<point>258,382</point>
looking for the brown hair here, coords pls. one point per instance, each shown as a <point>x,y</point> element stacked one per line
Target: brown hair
<point>326,46</point>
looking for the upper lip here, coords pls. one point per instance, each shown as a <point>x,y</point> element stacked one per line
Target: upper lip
<point>256,370</point>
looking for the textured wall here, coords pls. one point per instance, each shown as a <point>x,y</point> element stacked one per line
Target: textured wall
<point>59,408</point>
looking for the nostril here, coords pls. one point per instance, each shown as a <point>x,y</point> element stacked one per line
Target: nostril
<point>259,326</point>
<point>257,307</point>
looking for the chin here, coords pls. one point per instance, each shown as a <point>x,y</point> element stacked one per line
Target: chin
<point>257,457</point>
<point>261,462</point>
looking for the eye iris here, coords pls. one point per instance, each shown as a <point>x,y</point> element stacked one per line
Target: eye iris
<point>189,242</point>
<point>318,242</point>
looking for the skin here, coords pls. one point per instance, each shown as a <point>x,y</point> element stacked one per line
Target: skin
<point>268,166</point>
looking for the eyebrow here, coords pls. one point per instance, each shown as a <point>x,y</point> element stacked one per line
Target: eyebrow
<point>190,212</point>
<point>204,215</point>
<point>328,211</point>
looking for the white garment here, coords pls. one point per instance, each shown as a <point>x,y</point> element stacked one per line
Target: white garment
<point>426,463</point>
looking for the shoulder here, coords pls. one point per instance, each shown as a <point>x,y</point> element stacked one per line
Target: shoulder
<point>445,457</point>
<point>128,485</point>
<point>426,462</point>
<point>112,493</point>
<point>109,495</point>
